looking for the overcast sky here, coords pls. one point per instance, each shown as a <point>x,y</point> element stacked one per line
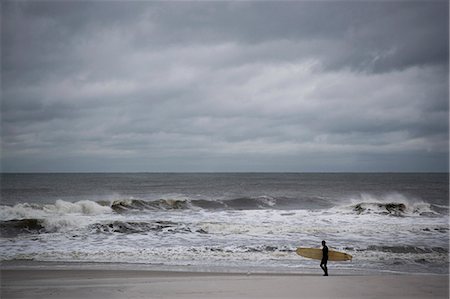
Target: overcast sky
<point>224,86</point>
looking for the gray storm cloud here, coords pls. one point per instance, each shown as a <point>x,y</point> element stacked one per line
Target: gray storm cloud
<point>226,86</point>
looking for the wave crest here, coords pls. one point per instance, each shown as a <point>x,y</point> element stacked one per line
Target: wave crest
<point>392,205</point>
<point>85,207</point>
<point>241,203</point>
<point>59,208</point>
<point>124,205</point>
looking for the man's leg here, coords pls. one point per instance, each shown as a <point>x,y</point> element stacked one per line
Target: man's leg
<point>323,265</point>
<point>325,269</point>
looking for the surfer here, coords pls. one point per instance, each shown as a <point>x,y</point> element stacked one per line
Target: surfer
<point>323,263</point>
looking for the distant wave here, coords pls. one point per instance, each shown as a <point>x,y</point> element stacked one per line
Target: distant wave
<point>242,203</point>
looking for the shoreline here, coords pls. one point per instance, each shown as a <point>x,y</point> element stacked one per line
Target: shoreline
<point>63,280</point>
<point>213,269</point>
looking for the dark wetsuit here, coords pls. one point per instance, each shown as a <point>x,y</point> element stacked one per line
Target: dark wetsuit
<point>323,263</point>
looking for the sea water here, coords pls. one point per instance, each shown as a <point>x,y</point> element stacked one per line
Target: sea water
<point>249,222</point>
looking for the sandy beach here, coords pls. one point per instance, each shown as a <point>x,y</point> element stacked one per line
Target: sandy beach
<point>85,283</point>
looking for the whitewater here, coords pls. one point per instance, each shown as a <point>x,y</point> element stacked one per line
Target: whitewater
<point>243,222</point>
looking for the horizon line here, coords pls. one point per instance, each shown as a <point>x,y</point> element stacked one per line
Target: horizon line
<point>212,172</point>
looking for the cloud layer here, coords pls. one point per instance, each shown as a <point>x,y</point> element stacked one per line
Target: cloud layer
<point>225,86</point>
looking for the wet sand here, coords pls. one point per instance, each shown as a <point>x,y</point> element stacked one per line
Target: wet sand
<point>110,284</point>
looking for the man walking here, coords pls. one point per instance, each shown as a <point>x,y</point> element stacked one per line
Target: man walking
<point>323,263</point>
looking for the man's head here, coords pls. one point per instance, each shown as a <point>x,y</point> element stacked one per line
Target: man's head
<point>323,243</point>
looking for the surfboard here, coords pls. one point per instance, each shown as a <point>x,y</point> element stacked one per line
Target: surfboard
<point>316,254</point>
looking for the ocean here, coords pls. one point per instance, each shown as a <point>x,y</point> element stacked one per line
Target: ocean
<point>251,222</point>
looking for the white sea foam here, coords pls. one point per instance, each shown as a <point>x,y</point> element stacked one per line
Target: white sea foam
<point>88,231</point>
<point>85,207</point>
<point>64,223</point>
<point>60,207</point>
<point>21,211</point>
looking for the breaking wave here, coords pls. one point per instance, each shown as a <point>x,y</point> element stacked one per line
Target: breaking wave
<point>393,205</point>
<point>60,207</point>
<point>85,207</point>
